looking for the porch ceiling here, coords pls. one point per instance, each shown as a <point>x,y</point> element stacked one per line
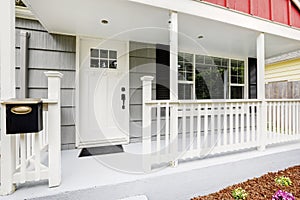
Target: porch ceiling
<point>132,21</point>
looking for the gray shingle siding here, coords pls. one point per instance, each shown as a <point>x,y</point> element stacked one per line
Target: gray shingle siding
<point>142,62</point>
<point>50,52</point>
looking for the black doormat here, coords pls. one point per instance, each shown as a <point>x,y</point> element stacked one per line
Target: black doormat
<point>94,151</point>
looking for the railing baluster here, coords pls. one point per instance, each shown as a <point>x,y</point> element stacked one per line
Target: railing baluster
<point>231,124</point>
<point>269,120</point>
<point>219,125</point>
<point>252,122</point>
<point>191,127</point>
<point>212,125</point>
<point>158,113</point>
<point>199,128</point>
<point>278,121</point>
<point>37,150</point>
<point>242,122</point>
<point>23,140</point>
<point>184,128</point>
<point>282,117</point>
<point>294,118</point>
<point>248,121</point>
<point>274,119</point>
<point>237,132</point>
<point>286,120</point>
<point>297,118</point>
<point>206,125</point>
<point>17,149</point>
<point>290,118</point>
<point>27,143</point>
<point>167,136</point>
<point>225,141</point>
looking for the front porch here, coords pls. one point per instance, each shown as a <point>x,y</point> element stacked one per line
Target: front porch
<point>92,178</point>
<point>218,135</point>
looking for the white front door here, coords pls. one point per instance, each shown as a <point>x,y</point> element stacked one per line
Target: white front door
<point>103,92</point>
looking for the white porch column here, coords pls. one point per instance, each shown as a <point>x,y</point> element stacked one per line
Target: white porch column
<point>54,132</point>
<point>146,127</point>
<point>173,29</point>
<point>7,90</point>
<point>262,130</point>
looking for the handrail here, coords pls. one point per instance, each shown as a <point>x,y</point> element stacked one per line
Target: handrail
<point>203,101</point>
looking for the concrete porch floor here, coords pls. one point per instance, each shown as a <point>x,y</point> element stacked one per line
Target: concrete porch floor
<point>120,175</point>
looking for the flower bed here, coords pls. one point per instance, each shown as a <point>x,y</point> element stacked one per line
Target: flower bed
<point>261,188</point>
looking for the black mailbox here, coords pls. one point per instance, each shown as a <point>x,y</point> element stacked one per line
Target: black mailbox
<point>24,116</point>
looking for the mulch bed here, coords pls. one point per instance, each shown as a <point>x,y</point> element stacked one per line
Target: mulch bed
<point>261,188</point>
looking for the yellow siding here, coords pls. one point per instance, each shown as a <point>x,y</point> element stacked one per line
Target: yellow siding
<point>283,71</point>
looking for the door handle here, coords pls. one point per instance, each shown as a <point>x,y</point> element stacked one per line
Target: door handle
<point>123,98</point>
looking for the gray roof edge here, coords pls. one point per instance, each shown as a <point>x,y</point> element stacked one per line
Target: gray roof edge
<point>283,57</point>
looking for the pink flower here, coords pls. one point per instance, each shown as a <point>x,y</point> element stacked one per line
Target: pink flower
<point>282,195</point>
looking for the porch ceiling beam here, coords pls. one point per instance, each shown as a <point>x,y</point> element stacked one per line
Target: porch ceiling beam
<point>173,31</point>
<point>193,7</point>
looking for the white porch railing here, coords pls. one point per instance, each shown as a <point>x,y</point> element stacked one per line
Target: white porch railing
<point>175,130</point>
<point>34,156</point>
<point>283,120</point>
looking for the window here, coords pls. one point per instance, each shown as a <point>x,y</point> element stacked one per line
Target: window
<point>185,75</point>
<point>237,83</point>
<point>210,77</point>
<point>102,58</point>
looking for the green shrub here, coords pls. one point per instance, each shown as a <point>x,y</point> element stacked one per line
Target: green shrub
<point>283,181</point>
<point>239,193</point>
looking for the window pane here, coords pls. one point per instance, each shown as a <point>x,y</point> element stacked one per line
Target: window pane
<point>103,53</point>
<point>180,56</point>
<point>199,59</point>
<point>95,53</point>
<point>103,63</point>
<point>184,91</point>
<point>180,67</point>
<point>113,55</point>
<point>113,64</point>
<point>95,63</point>
<point>217,61</point>
<point>237,92</point>
<point>181,76</point>
<point>188,57</point>
<point>189,76</point>
<point>188,67</point>
<point>237,71</point>
<point>234,79</point>
<point>225,62</point>
<point>208,60</point>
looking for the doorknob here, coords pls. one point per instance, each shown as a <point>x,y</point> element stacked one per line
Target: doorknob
<point>123,97</point>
